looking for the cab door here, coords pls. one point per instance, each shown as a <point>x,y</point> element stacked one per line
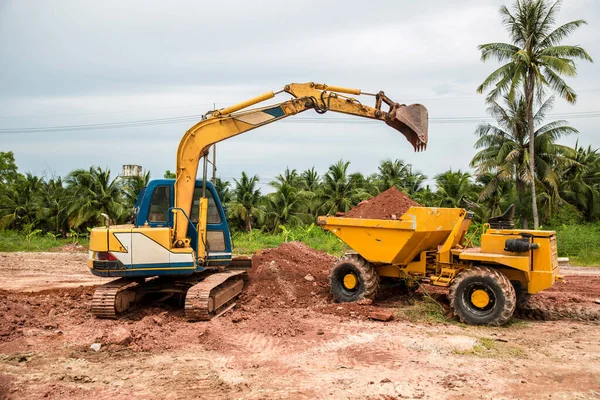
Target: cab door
<point>218,241</point>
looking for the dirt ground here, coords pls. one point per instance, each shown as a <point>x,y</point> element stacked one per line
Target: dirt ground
<point>286,340</point>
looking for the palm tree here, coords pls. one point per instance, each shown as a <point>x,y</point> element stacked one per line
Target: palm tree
<point>92,192</point>
<point>534,60</point>
<point>289,177</point>
<point>453,187</point>
<point>132,186</point>
<point>400,174</point>
<point>246,200</point>
<point>8,168</point>
<point>285,206</point>
<point>310,180</point>
<point>53,206</point>
<point>311,192</point>
<point>223,189</point>
<point>581,182</point>
<point>506,148</point>
<point>364,184</point>
<point>412,183</point>
<point>19,202</point>
<point>338,192</point>
<point>425,196</point>
<point>391,173</point>
<point>496,201</point>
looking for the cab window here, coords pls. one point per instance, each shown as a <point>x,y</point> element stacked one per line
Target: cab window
<point>159,204</point>
<point>214,217</point>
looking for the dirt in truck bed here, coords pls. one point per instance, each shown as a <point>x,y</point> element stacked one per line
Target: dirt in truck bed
<point>390,204</point>
<point>286,339</point>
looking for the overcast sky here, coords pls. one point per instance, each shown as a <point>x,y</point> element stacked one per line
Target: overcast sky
<point>65,63</point>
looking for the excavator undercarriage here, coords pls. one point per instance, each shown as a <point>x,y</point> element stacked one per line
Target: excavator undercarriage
<point>205,295</point>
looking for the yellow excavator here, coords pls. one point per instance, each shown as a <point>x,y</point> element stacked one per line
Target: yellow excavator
<point>179,242</point>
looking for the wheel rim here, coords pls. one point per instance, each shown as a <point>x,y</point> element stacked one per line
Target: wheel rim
<point>350,281</point>
<point>479,298</point>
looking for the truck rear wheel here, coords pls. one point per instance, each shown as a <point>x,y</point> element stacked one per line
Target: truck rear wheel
<point>482,296</point>
<point>352,278</point>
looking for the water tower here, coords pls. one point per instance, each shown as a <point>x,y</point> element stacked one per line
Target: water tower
<point>130,170</point>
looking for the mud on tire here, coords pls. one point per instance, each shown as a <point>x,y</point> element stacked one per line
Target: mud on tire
<point>367,280</point>
<point>496,286</point>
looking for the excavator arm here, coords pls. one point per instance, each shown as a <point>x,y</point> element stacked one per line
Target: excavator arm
<point>222,124</point>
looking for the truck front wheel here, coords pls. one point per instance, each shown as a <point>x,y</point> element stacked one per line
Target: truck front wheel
<point>482,296</point>
<point>352,278</point>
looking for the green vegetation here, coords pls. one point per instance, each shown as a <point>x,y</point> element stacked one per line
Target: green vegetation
<point>313,236</point>
<point>491,348</point>
<point>580,243</point>
<point>35,241</point>
<point>427,310</point>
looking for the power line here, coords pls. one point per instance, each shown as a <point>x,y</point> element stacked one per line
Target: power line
<point>320,120</point>
<point>409,99</point>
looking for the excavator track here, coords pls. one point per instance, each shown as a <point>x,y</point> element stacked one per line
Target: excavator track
<point>115,298</point>
<point>214,295</point>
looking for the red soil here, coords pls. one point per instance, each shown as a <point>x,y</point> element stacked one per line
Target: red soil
<point>292,275</point>
<point>575,298</point>
<point>285,285</point>
<point>390,204</point>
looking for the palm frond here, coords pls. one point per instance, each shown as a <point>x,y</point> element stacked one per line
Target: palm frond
<point>560,86</point>
<point>561,33</point>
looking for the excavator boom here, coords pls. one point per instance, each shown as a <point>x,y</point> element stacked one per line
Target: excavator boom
<point>222,124</point>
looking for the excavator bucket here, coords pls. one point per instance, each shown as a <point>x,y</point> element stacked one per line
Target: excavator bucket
<point>412,122</point>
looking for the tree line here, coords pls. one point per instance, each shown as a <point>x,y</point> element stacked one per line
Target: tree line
<point>73,204</point>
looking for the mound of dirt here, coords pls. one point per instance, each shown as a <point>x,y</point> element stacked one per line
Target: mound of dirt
<point>390,204</point>
<point>290,278</point>
<point>25,311</point>
<point>575,298</point>
<point>292,275</point>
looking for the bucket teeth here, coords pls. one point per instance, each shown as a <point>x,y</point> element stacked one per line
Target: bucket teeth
<point>412,122</point>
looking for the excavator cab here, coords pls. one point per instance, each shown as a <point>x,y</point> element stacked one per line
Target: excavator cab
<point>137,254</point>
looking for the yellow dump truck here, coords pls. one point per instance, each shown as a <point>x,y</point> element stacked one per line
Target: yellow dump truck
<point>486,283</point>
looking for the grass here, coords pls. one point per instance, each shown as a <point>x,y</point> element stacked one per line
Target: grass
<point>313,236</point>
<point>427,310</point>
<point>18,241</point>
<point>490,348</point>
<point>581,243</point>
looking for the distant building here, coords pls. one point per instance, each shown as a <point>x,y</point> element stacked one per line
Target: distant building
<point>131,170</point>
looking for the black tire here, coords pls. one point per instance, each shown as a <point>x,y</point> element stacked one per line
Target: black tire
<point>500,295</point>
<point>367,280</point>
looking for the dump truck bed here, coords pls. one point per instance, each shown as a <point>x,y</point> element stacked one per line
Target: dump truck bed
<point>396,241</point>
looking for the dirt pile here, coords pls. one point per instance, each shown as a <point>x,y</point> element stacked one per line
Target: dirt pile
<point>390,204</point>
<point>22,312</point>
<point>575,298</point>
<point>292,275</point>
